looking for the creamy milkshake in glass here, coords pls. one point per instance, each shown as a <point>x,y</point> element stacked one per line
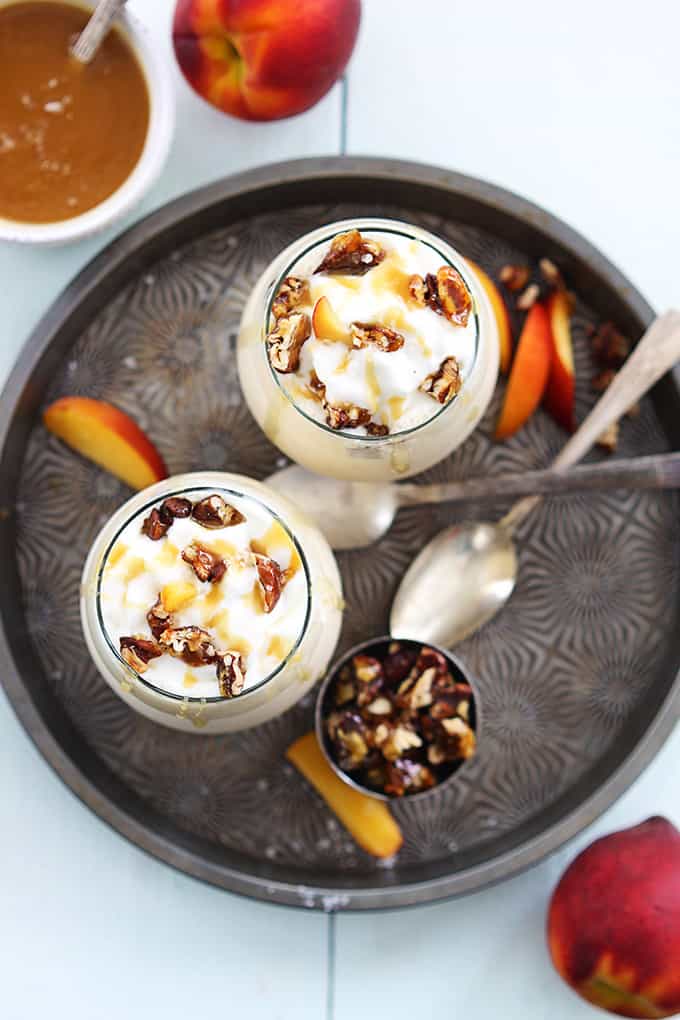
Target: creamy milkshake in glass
<point>368,350</point>
<point>209,603</point>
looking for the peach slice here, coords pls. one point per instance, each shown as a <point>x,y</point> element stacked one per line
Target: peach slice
<point>366,819</point>
<point>529,373</point>
<point>500,311</point>
<point>176,595</point>
<point>327,325</point>
<point>108,437</point>
<point>559,393</point>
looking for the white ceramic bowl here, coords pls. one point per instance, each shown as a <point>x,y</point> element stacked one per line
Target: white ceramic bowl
<point>161,127</point>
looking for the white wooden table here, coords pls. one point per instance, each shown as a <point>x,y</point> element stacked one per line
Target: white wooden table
<point>575,107</point>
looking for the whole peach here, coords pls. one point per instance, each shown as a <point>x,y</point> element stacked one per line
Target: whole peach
<point>264,59</point>
<point>614,921</point>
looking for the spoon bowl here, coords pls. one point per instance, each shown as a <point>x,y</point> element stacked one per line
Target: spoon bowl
<point>457,583</point>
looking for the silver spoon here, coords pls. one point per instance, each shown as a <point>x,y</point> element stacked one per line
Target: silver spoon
<point>91,37</point>
<point>472,567</point>
<point>355,514</point>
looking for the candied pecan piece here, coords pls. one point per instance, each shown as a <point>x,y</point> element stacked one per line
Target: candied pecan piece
<point>271,580</point>
<point>373,334</point>
<point>398,663</point>
<point>374,429</point>
<point>285,340</point>
<point>350,738</point>
<point>175,506</point>
<point>454,297</point>
<point>231,674</point>
<point>379,706</point>
<point>215,512</point>
<point>445,383</point>
<point>154,526</point>
<point>398,741</point>
<point>347,416</point>
<point>158,618</point>
<point>351,254</point>
<point>404,775</point>
<point>317,387</point>
<point>367,668</point>
<point>191,644</point>
<point>292,293</point>
<point>528,297</point>
<point>515,278</point>
<point>345,689</point>
<point>206,565</point>
<point>459,741</point>
<point>418,289</point>
<point>138,652</point>
<point>609,346</point>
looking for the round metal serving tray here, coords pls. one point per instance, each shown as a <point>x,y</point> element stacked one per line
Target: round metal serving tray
<point>577,675</point>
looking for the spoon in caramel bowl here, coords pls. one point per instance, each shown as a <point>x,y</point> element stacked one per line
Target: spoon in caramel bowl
<point>473,565</point>
<point>89,40</point>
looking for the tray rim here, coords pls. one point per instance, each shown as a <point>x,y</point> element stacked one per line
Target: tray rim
<point>152,228</point>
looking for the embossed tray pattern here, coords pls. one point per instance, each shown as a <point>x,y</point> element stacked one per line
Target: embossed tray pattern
<point>574,675</point>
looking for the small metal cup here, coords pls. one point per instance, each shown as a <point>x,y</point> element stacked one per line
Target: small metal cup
<point>322,710</point>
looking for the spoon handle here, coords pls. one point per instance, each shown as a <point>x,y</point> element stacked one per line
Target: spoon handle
<point>655,353</point>
<point>660,471</point>
<point>90,39</point>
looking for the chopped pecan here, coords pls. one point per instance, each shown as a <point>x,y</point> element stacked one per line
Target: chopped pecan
<point>404,775</point>
<point>609,439</point>
<point>374,429</point>
<point>398,663</point>
<point>351,254</point>
<point>206,565</point>
<point>366,334</point>
<point>317,387</point>
<point>191,644</point>
<point>214,512</point>
<point>285,341</point>
<point>154,527</point>
<point>175,506</point>
<point>399,740</point>
<point>528,297</point>
<point>346,416</point>
<point>609,346</point>
<point>345,689</point>
<point>458,740</point>
<point>445,293</point>
<point>551,274</point>
<point>231,674</point>
<point>138,652</point>
<point>380,706</point>
<point>350,738</point>
<point>515,278</point>
<point>271,581</point>
<point>158,618</point>
<point>445,383</point>
<point>292,293</point>
<point>367,668</point>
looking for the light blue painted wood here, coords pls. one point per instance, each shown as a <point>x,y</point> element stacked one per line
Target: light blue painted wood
<point>91,928</point>
<point>484,956</point>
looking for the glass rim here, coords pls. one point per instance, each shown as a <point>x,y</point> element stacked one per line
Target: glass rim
<point>186,698</point>
<point>385,440</point>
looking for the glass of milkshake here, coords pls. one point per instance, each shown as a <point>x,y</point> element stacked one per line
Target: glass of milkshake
<point>209,603</point>
<point>368,350</point>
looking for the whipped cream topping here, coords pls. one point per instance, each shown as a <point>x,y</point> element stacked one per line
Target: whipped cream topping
<point>137,570</point>
<point>384,382</point>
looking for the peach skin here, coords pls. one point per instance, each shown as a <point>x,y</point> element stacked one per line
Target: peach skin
<point>264,59</point>
<point>559,394</point>
<point>614,921</point>
<point>529,373</point>
<point>500,311</point>
<point>108,437</point>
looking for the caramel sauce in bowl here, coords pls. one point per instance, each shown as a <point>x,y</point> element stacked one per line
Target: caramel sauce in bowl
<point>79,144</point>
